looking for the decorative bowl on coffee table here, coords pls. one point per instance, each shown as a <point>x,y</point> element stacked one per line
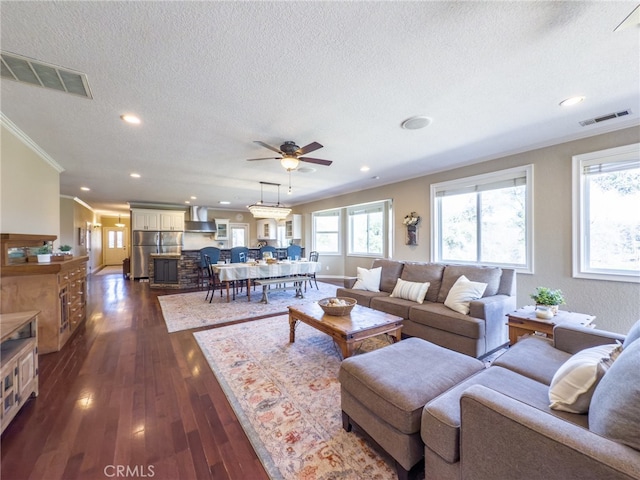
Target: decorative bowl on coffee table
<point>337,306</point>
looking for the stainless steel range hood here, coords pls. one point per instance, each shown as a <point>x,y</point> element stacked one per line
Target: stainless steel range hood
<point>198,221</point>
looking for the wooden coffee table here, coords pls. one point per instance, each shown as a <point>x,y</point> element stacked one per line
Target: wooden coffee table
<point>347,331</point>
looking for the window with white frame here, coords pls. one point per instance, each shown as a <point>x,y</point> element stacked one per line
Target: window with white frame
<point>366,229</point>
<point>326,232</point>
<point>485,219</point>
<point>606,214</point>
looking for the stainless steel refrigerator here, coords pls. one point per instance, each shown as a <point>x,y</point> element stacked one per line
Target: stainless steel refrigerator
<point>147,242</point>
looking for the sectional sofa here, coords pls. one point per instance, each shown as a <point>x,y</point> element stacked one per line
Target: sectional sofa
<point>478,333</point>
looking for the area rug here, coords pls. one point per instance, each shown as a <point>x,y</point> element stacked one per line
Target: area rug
<point>110,270</point>
<point>185,311</point>
<point>287,398</point>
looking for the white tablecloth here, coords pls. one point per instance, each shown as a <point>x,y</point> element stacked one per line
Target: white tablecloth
<point>241,271</point>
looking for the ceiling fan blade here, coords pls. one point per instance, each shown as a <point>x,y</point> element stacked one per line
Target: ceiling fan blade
<point>318,161</point>
<point>266,145</point>
<point>312,147</point>
<point>264,158</point>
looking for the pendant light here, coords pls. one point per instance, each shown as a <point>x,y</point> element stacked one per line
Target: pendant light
<point>277,211</point>
<point>120,224</point>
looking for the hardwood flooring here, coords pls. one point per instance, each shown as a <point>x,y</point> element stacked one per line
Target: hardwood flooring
<point>124,398</point>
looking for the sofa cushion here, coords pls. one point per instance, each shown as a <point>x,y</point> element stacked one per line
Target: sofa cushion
<point>615,407</point>
<point>414,291</point>
<point>533,357</point>
<point>440,426</point>
<point>363,297</point>
<point>489,275</point>
<point>633,335</point>
<point>575,381</point>
<point>391,271</point>
<point>395,382</point>
<point>425,272</point>
<point>461,294</point>
<point>436,315</point>
<point>368,279</point>
<point>392,305</point>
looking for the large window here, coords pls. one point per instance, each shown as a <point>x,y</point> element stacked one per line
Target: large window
<point>607,214</point>
<point>366,229</point>
<point>484,219</point>
<point>326,232</point>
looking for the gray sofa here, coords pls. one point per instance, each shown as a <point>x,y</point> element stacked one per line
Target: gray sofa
<point>481,332</point>
<point>498,423</point>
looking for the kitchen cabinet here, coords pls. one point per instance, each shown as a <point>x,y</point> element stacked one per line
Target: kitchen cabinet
<point>145,219</point>
<point>19,364</point>
<point>222,228</point>
<point>172,221</point>
<point>267,228</point>
<point>293,227</point>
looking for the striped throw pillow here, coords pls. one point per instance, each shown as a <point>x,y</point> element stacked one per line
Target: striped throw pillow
<point>414,291</point>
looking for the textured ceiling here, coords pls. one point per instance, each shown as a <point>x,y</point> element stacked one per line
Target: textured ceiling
<point>208,78</point>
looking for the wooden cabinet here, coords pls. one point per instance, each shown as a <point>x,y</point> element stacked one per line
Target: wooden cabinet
<point>57,289</point>
<point>267,228</point>
<point>19,365</point>
<point>293,227</point>
<point>222,229</point>
<point>165,270</point>
<point>172,221</point>
<point>524,322</point>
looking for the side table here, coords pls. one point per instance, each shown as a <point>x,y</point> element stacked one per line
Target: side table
<point>524,322</point>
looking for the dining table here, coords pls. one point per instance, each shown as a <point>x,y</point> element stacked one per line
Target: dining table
<point>233,272</point>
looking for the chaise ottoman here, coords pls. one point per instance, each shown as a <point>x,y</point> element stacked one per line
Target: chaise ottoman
<point>383,393</point>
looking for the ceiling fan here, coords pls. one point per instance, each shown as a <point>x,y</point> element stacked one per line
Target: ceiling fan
<point>291,154</point>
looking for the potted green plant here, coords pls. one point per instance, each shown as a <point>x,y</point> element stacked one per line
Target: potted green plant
<point>66,249</point>
<point>549,300</point>
<point>44,254</point>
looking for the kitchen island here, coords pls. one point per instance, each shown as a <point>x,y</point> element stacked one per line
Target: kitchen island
<point>187,265</point>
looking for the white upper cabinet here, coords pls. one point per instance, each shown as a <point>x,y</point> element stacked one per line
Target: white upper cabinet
<point>173,221</point>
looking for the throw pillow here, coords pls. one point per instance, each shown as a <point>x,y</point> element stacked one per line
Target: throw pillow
<point>461,294</point>
<point>368,279</point>
<point>575,381</point>
<point>615,406</point>
<point>414,291</point>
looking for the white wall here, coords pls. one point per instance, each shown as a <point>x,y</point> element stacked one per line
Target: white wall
<point>615,304</point>
<point>29,189</point>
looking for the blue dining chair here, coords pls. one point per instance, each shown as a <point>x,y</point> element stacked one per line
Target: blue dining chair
<point>214,255</point>
<point>239,255</point>
<point>294,251</point>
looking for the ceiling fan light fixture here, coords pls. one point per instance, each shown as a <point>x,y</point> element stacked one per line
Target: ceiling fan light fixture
<point>289,162</point>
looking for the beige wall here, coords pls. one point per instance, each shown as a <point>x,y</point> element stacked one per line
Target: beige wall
<point>29,189</point>
<point>615,304</point>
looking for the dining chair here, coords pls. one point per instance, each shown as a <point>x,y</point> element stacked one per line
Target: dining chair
<point>239,255</point>
<point>211,283</point>
<point>269,249</point>
<point>294,252</point>
<point>214,256</point>
<point>313,257</point>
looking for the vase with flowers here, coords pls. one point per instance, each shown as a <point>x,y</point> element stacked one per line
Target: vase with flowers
<point>411,221</point>
<point>547,301</point>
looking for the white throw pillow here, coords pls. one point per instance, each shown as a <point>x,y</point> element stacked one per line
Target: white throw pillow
<point>461,294</point>
<point>368,279</point>
<point>575,381</point>
<point>414,291</point>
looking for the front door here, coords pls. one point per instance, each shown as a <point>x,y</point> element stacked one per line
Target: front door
<point>115,245</point>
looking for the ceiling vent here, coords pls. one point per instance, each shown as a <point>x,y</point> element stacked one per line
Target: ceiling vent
<point>603,118</point>
<point>27,70</point>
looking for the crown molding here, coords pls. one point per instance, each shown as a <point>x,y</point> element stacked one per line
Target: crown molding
<point>24,138</point>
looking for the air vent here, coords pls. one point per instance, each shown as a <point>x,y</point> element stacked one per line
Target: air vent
<point>604,118</point>
<point>27,70</point>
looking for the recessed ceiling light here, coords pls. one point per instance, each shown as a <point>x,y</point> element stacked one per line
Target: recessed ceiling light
<point>134,175</point>
<point>364,169</point>
<point>415,123</point>
<point>224,202</point>
<point>375,178</point>
<point>130,119</point>
<point>187,201</point>
<point>571,101</point>
<point>85,189</point>
<point>193,198</point>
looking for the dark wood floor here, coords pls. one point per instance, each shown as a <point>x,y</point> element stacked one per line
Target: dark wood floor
<point>125,394</point>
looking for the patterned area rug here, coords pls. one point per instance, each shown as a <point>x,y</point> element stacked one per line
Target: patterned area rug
<point>287,397</point>
<point>185,311</point>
